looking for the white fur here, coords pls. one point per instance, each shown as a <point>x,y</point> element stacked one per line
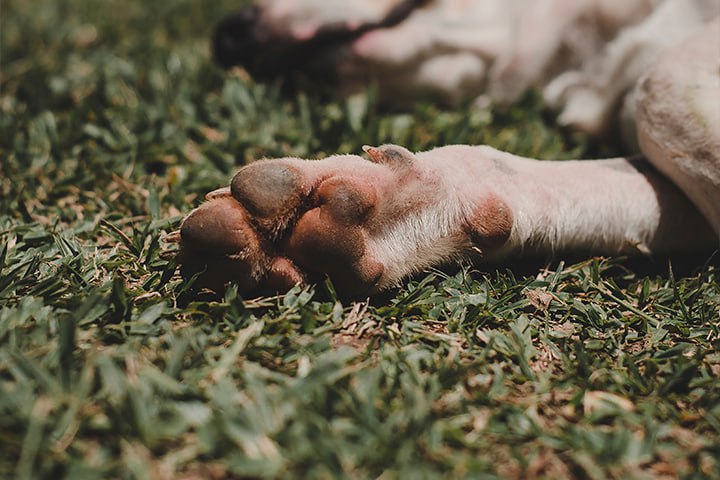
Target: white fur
<point>589,97</point>
<point>679,118</point>
<point>422,239</point>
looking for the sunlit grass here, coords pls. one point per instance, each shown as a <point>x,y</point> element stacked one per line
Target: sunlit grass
<point>114,123</point>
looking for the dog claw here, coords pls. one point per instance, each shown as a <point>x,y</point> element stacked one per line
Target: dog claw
<point>391,155</point>
<point>172,237</point>
<point>220,192</point>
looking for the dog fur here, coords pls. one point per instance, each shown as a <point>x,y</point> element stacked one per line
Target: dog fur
<point>368,223</point>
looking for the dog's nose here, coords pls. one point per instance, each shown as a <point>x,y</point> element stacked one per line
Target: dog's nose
<point>235,40</point>
<point>244,39</point>
<point>251,39</point>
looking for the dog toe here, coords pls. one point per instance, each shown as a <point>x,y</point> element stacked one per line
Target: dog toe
<point>218,243</point>
<point>278,224</point>
<point>321,244</point>
<point>271,191</point>
<point>282,275</point>
<point>345,201</point>
<point>318,241</point>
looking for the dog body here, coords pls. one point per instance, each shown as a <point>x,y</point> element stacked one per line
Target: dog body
<point>585,55</point>
<point>368,224</point>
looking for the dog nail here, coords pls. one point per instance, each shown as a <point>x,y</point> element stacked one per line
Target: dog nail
<point>172,237</point>
<point>220,192</point>
<point>391,155</point>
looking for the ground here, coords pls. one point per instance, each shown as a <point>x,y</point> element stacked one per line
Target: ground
<point>113,125</point>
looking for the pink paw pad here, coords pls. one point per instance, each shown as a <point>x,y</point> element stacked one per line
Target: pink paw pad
<point>273,229</point>
<point>491,223</point>
<point>218,243</point>
<point>271,192</point>
<point>330,238</point>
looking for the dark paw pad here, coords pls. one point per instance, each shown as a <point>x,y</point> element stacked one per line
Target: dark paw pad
<point>271,193</point>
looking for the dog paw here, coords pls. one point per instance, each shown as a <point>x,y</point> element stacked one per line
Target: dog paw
<point>365,224</point>
<point>286,222</point>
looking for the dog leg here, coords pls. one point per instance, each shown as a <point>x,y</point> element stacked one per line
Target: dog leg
<point>368,224</point>
<point>678,118</point>
<point>592,98</point>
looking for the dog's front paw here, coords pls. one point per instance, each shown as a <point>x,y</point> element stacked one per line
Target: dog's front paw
<point>365,224</point>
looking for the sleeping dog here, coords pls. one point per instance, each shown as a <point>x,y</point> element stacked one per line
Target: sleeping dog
<point>650,69</point>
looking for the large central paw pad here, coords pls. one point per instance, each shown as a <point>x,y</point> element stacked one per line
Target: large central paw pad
<point>277,226</point>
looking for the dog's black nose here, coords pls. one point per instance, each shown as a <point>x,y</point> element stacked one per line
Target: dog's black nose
<point>248,39</point>
<point>243,39</point>
<point>235,40</point>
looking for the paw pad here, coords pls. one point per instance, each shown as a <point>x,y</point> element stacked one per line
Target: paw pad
<point>217,242</point>
<point>277,226</point>
<point>270,191</point>
<point>346,203</point>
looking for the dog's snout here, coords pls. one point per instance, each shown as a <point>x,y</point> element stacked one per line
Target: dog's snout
<point>245,39</point>
<point>235,39</point>
<point>268,49</point>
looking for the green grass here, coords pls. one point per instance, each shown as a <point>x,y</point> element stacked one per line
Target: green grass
<point>114,123</point>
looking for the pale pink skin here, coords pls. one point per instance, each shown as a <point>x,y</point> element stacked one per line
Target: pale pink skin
<point>370,223</point>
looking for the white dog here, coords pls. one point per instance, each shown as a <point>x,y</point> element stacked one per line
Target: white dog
<point>368,224</point>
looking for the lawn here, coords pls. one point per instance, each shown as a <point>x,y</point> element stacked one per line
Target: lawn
<point>114,123</point>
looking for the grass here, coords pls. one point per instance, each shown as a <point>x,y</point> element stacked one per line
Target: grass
<point>114,123</point>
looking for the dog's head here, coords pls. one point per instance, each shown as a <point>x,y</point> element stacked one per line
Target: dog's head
<point>279,37</point>
<point>442,50</point>
<point>433,48</point>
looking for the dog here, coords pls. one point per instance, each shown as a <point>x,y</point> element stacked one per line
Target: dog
<point>368,223</point>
